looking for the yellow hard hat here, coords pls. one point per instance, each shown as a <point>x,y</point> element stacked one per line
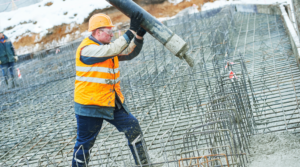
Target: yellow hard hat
<point>99,20</point>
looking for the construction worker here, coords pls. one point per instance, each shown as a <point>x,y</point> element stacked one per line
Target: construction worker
<point>98,94</point>
<point>7,58</point>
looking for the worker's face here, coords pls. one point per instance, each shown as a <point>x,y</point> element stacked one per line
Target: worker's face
<point>105,35</point>
<point>1,35</point>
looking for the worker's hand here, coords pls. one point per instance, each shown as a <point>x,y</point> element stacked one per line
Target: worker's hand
<point>136,20</point>
<point>16,58</point>
<point>141,32</point>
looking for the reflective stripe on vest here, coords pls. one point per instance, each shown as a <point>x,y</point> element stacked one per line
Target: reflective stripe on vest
<point>98,80</point>
<point>97,69</point>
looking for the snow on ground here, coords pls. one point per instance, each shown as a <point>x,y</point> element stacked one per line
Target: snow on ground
<point>38,18</point>
<point>175,2</point>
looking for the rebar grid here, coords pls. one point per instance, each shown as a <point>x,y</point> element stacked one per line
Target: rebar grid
<point>38,126</point>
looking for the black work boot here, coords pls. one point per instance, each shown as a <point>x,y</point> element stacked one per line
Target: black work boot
<point>142,154</point>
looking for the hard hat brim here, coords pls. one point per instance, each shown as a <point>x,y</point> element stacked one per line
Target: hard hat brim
<point>100,27</point>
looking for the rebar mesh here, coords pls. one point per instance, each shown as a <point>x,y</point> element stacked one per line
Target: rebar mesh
<point>179,108</point>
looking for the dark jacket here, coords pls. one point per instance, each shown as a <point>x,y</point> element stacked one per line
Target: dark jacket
<point>7,51</point>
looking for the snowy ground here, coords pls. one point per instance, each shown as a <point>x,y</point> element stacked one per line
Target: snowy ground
<point>275,150</point>
<point>38,18</point>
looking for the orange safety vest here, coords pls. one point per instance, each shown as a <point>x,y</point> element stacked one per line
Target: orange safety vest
<point>96,84</point>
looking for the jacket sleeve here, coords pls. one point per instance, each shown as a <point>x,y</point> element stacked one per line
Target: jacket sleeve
<point>92,54</point>
<point>132,50</point>
<point>12,49</point>
<point>10,46</point>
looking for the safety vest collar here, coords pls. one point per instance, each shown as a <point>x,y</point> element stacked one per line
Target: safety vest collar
<point>95,40</point>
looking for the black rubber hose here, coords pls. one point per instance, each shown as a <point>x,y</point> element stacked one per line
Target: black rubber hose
<point>159,31</point>
<point>151,24</point>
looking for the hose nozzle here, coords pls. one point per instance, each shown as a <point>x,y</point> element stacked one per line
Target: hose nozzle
<point>179,48</point>
<point>189,60</point>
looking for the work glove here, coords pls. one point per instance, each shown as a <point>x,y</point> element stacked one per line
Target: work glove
<point>141,32</point>
<point>136,20</point>
<point>16,58</point>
